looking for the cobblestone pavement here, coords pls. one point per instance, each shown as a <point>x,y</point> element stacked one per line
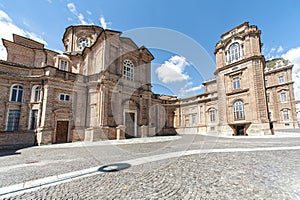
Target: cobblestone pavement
<point>223,175</point>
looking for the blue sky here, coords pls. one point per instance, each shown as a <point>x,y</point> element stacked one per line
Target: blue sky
<point>202,21</point>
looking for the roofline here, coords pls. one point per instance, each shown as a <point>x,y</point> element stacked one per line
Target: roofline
<point>16,35</point>
<point>239,26</point>
<point>44,49</point>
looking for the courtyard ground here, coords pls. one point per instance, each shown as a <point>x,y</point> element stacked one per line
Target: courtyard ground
<point>176,167</point>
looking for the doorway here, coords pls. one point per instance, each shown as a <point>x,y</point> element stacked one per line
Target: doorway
<point>130,124</point>
<point>62,128</point>
<point>240,130</point>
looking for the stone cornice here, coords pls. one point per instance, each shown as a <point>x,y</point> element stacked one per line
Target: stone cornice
<point>261,57</point>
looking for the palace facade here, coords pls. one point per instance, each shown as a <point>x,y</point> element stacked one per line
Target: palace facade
<point>100,88</point>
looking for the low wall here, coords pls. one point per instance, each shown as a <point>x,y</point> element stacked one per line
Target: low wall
<point>14,140</point>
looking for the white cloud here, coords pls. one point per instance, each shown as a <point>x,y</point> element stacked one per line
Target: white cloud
<point>173,70</point>
<point>293,55</point>
<point>104,23</point>
<point>274,52</point>
<point>81,19</point>
<point>73,10</point>
<point>280,49</point>
<point>89,12</point>
<point>188,90</point>
<point>6,23</point>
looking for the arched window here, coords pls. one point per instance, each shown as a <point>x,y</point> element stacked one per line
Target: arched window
<point>238,110</point>
<point>128,70</point>
<point>212,115</point>
<point>235,52</point>
<point>16,93</point>
<point>36,93</point>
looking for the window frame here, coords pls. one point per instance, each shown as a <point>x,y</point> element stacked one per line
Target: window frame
<point>268,97</point>
<point>63,65</point>
<point>64,97</point>
<point>285,115</point>
<point>283,96</point>
<point>33,121</point>
<point>235,52</point>
<point>212,115</point>
<point>18,96</point>
<point>128,70</point>
<point>239,110</point>
<point>281,79</point>
<point>12,119</point>
<point>236,82</point>
<point>36,94</point>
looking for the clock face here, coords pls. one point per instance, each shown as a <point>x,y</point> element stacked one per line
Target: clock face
<point>83,42</point>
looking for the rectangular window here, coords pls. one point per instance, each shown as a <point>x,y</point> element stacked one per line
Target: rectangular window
<point>266,82</point>
<point>283,96</point>
<point>281,79</point>
<point>286,116</point>
<point>13,120</point>
<point>236,83</point>
<point>64,97</point>
<point>64,65</point>
<point>268,97</point>
<point>194,118</point>
<point>33,119</point>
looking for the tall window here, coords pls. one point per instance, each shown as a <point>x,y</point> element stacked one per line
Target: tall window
<point>13,120</point>
<point>33,119</point>
<point>16,93</point>
<point>268,97</point>
<point>238,110</point>
<point>283,96</point>
<point>194,120</point>
<point>280,79</point>
<point>64,65</point>
<point>128,70</point>
<point>36,92</point>
<point>285,114</point>
<point>236,83</point>
<point>235,52</point>
<point>212,115</point>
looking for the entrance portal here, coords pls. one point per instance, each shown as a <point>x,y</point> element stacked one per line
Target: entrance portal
<point>240,130</point>
<point>130,124</point>
<point>62,131</point>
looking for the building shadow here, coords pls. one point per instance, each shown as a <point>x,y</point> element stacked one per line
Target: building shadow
<point>8,152</point>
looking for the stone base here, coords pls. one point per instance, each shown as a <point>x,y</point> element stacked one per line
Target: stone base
<point>44,136</point>
<point>102,133</point>
<point>167,131</point>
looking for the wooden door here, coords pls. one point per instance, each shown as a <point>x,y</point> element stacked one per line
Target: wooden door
<point>62,128</point>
